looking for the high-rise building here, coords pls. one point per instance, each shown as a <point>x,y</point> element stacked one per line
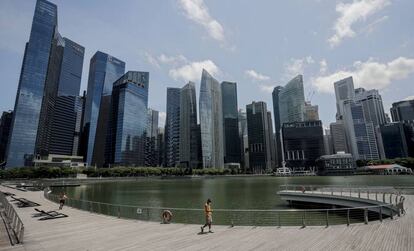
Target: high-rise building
<point>32,83</point>
<point>104,70</point>
<point>5,128</point>
<point>310,112</point>
<point>278,125</point>
<point>211,122</point>
<point>244,141</point>
<point>231,122</point>
<point>344,91</point>
<point>172,128</point>
<point>327,142</point>
<point>402,110</point>
<point>190,146</point>
<point>303,144</point>
<point>151,143</point>
<point>372,104</point>
<point>292,101</point>
<point>398,139</point>
<point>161,146</point>
<point>125,143</point>
<point>360,133</point>
<point>339,140</point>
<point>260,137</point>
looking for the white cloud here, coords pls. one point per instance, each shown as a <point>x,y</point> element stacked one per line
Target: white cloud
<point>323,66</point>
<point>151,60</point>
<point>197,11</point>
<point>172,59</point>
<point>350,13</point>
<point>371,27</point>
<point>256,76</point>
<point>297,66</point>
<point>161,119</point>
<point>192,71</point>
<point>368,74</point>
<point>266,88</point>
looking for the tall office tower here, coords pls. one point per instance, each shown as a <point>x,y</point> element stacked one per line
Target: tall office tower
<point>172,128</point>
<point>303,144</point>
<point>327,142</point>
<point>31,87</point>
<point>398,139</point>
<point>125,143</point>
<point>66,125</point>
<point>104,70</point>
<point>310,112</point>
<point>360,133</point>
<point>272,140</point>
<point>338,134</point>
<point>402,110</point>
<point>344,91</point>
<point>292,101</point>
<point>189,130</point>
<point>244,141</point>
<point>211,122</point>
<point>231,122</point>
<point>372,104</point>
<point>278,126</point>
<point>5,128</point>
<point>151,140</point>
<point>259,138</point>
<point>161,146</point>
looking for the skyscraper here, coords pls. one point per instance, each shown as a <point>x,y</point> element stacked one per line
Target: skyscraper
<point>278,125</point>
<point>172,128</point>
<point>339,140</point>
<point>310,112</point>
<point>402,110</point>
<point>303,144</point>
<point>32,83</point>
<point>104,70</point>
<point>231,122</point>
<point>292,101</point>
<point>125,143</point>
<point>344,90</point>
<point>260,136</point>
<point>211,122</point>
<point>190,146</point>
<point>398,139</point>
<point>244,141</point>
<point>151,143</point>
<point>5,128</point>
<point>372,104</point>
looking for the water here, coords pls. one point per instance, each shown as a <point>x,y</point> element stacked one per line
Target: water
<point>225,192</point>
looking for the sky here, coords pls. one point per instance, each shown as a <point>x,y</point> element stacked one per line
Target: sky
<point>258,44</point>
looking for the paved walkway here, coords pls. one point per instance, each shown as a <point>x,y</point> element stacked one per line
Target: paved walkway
<point>86,231</point>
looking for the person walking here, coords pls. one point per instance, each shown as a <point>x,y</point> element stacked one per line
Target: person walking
<point>62,200</point>
<point>209,216</point>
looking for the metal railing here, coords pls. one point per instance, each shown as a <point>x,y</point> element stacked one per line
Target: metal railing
<point>13,220</point>
<point>235,217</point>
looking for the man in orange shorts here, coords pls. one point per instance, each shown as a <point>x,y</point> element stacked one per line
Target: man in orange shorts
<point>209,216</point>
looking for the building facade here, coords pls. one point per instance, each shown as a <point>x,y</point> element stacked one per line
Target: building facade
<point>278,126</point>
<point>398,139</point>
<point>336,164</point>
<point>402,110</point>
<point>172,128</point>
<point>151,144</point>
<point>230,122</point>
<point>339,140</point>
<point>259,137</point>
<point>126,137</point>
<point>344,91</point>
<point>5,128</point>
<point>104,70</point>
<point>303,144</point>
<point>292,101</point>
<point>244,140</point>
<point>211,122</point>
<point>371,102</point>
<point>310,112</point>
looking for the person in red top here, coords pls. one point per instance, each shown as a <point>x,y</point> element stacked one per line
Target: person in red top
<point>209,216</point>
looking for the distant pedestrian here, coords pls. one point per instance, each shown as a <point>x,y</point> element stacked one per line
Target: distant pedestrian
<point>62,200</point>
<point>209,216</point>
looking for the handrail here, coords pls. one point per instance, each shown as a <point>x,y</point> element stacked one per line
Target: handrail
<point>13,219</point>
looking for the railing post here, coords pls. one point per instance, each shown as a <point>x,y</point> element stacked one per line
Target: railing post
<point>119,212</point>
<point>376,196</point>
<point>383,197</point>
<point>380,213</point>
<point>390,198</point>
<point>359,193</point>
<point>304,219</point>
<point>392,215</point>
<point>90,207</point>
<point>368,194</point>
<point>278,216</point>
<point>327,218</point>
<point>347,218</point>
<point>366,216</point>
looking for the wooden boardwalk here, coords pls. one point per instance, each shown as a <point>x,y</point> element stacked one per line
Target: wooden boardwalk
<point>87,231</point>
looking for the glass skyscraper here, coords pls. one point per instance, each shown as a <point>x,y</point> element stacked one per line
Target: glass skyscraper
<point>5,128</point>
<point>372,104</point>
<point>292,101</point>
<point>31,85</point>
<point>344,90</point>
<point>104,70</point>
<point>402,110</point>
<point>211,122</point>
<point>231,123</point>
<point>125,142</point>
<point>278,125</point>
<point>172,128</point>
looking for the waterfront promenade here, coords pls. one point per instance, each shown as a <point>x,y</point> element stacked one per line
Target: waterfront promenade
<point>87,231</point>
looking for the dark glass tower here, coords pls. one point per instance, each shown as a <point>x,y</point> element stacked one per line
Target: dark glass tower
<point>125,143</point>
<point>402,110</point>
<point>172,128</point>
<point>278,126</point>
<point>230,123</point>
<point>5,127</point>
<point>31,87</point>
<point>104,70</point>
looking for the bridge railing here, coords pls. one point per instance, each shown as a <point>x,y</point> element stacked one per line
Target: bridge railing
<point>235,217</point>
<point>14,222</point>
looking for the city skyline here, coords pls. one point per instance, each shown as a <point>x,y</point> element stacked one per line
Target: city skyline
<point>224,54</point>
